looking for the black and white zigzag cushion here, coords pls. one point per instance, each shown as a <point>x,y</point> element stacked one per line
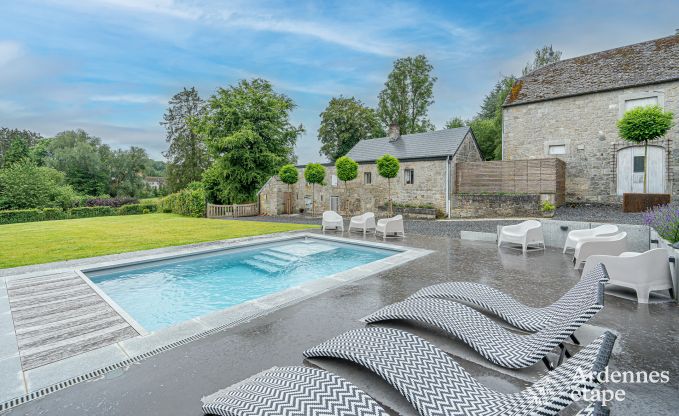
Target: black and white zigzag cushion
<point>292,391</point>
<point>495,343</point>
<point>509,309</point>
<point>436,385</point>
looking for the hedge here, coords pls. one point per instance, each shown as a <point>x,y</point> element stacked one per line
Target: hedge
<point>188,202</point>
<point>89,212</point>
<point>16,216</point>
<point>49,214</point>
<point>111,202</point>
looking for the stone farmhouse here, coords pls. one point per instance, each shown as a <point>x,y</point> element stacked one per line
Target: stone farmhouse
<point>569,109</point>
<point>426,177</point>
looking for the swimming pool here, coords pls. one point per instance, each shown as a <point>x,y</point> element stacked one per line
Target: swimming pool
<point>167,292</point>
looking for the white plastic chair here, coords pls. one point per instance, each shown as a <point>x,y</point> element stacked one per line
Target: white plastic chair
<point>332,221</point>
<point>390,226</point>
<point>363,222</point>
<point>526,234</point>
<point>643,272</point>
<point>576,235</point>
<point>612,245</point>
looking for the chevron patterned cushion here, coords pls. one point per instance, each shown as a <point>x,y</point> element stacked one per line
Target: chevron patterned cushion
<point>436,385</point>
<point>495,343</point>
<point>292,391</point>
<point>509,309</point>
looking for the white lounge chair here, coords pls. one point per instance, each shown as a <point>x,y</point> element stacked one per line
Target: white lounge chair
<point>390,226</point>
<point>363,222</point>
<point>612,245</point>
<point>576,235</point>
<point>332,221</point>
<point>643,272</point>
<point>526,234</point>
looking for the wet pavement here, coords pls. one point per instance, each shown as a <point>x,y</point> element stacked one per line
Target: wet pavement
<point>173,382</point>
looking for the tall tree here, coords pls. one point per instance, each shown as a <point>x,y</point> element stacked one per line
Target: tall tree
<point>344,122</point>
<point>18,150</point>
<point>8,136</point>
<point>249,136</point>
<point>187,153</point>
<point>455,122</point>
<point>407,95</point>
<point>127,171</point>
<point>545,55</point>
<point>83,159</point>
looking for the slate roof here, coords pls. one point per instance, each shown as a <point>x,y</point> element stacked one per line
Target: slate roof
<point>643,63</point>
<point>431,144</point>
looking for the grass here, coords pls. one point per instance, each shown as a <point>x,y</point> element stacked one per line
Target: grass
<point>48,241</point>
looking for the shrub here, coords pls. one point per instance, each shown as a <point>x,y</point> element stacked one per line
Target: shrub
<point>110,202</point>
<point>187,202</point>
<point>21,215</point>
<point>546,206</point>
<point>288,174</point>
<point>88,212</point>
<point>130,209</point>
<point>665,220</point>
<point>149,207</point>
<point>51,214</point>
<point>24,185</point>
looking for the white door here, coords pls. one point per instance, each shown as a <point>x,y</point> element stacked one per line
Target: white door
<point>631,170</point>
<point>334,203</point>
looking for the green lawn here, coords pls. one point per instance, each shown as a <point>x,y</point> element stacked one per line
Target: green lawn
<point>48,241</point>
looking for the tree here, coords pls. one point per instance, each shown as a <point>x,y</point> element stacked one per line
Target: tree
<point>347,170</point>
<point>543,56</point>
<point>387,167</point>
<point>455,122</point>
<point>249,136</point>
<point>288,174</point>
<point>83,159</point>
<point>187,154</point>
<point>18,150</point>
<point>488,134</point>
<point>407,95</point>
<point>344,122</point>
<point>23,185</point>
<point>314,173</point>
<point>7,136</point>
<point>127,172</point>
<point>641,124</point>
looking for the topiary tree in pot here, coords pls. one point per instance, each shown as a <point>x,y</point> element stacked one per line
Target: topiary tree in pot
<point>288,174</point>
<point>387,167</point>
<point>314,173</point>
<point>347,170</point>
<point>639,125</point>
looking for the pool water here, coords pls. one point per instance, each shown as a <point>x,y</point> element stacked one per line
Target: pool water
<point>165,293</point>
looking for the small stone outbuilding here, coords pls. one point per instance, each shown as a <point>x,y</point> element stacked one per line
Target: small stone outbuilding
<point>425,179</point>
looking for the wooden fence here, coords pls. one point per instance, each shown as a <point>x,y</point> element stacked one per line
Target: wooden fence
<point>239,210</point>
<point>534,176</point>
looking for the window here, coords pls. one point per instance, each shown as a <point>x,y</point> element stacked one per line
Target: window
<point>558,149</point>
<point>367,178</point>
<point>333,180</point>
<point>410,176</point>
<point>640,102</point>
<point>638,164</point>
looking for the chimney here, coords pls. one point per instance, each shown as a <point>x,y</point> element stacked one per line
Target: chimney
<point>394,132</point>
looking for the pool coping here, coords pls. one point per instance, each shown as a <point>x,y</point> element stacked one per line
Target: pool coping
<point>43,380</point>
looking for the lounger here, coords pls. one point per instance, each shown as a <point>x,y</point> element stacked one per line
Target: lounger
<point>292,391</point>
<point>524,317</point>
<point>495,343</point>
<point>363,222</point>
<point>435,384</point>
<point>610,245</point>
<point>643,272</point>
<point>526,234</point>
<point>390,227</point>
<point>332,221</point>
<point>575,236</point>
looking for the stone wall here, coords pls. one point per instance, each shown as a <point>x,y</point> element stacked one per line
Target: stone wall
<point>496,205</point>
<point>586,125</point>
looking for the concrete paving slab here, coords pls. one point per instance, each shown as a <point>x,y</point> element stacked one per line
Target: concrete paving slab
<point>478,236</point>
<point>12,384</point>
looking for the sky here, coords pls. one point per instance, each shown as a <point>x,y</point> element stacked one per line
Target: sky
<point>110,66</point>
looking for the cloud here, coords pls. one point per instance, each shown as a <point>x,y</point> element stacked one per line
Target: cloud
<point>158,7</point>
<point>130,99</point>
<point>9,51</point>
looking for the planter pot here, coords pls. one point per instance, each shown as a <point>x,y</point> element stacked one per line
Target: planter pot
<point>633,202</point>
<point>547,214</point>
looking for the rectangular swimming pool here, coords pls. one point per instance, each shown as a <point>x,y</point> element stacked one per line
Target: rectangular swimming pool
<point>167,292</point>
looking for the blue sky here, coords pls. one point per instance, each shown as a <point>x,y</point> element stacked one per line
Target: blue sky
<point>110,66</point>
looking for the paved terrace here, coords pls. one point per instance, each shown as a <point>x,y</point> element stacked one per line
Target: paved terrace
<point>173,382</point>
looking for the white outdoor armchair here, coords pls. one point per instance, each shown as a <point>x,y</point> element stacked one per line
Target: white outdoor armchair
<point>363,222</point>
<point>612,245</point>
<point>576,235</point>
<point>643,272</point>
<point>390,226</point>
<point>332,221</point>
<point>525,234</point>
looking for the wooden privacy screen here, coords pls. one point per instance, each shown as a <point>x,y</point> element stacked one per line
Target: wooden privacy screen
<point>534,176</point>
<point>241,210</point>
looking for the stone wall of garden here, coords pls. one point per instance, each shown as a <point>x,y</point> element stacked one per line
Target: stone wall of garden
<point>495,205</point>
<point>586,125</point>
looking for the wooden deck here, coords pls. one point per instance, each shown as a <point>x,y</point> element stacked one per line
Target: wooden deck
<point>59,316</point>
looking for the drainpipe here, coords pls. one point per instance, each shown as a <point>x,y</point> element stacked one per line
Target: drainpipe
<point>448,186</point>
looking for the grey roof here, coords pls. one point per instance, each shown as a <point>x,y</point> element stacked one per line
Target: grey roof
<point>643,63</point>
<point>440,143</point>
